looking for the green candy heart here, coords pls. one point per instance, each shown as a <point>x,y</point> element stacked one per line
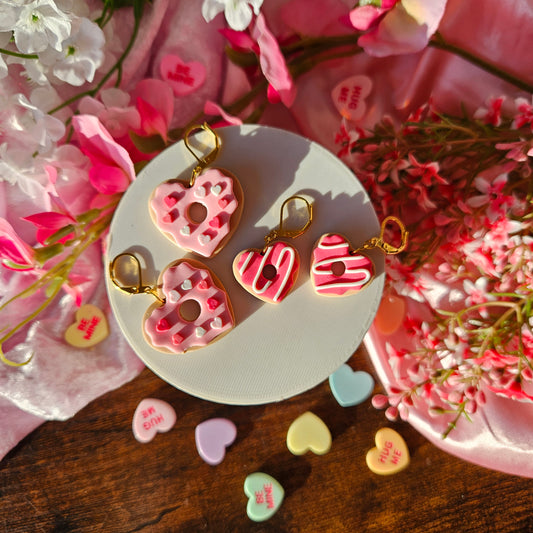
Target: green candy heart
<point>265,495</point>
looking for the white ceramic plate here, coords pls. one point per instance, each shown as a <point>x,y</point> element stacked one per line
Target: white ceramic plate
<point>275,351</point>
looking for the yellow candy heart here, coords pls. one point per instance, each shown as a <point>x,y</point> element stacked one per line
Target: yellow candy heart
<point>390,454</point>
<point>89,329</point>
<point>308,432</point>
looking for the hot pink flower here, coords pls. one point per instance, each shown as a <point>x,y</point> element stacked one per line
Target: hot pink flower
<point>49,223</point>
<point>428,173</point>
<point>14,252</point>
<point>397,27</point>
<point>525,113</point>
<point>273,63</point>
<point>112,169</point>
<point>493,113</point>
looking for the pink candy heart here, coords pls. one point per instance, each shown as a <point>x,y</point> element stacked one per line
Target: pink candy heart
<point>213,437</point>
<point>184,78</point>
<point>151,417</point>
<point>349,96</point>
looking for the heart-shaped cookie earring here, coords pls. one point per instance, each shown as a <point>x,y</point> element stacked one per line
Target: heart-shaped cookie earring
<point>339,270</point>
<point>192,309</point>
<point>269,273</point>
<point>199,216</point>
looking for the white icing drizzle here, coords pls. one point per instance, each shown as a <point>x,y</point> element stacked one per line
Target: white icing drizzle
<point>286,250</point>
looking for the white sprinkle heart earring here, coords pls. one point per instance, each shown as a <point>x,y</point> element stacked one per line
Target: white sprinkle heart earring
<point>270,273</point>
<point>199,216</point>
<point>339,270</point>
<point>192,309</point>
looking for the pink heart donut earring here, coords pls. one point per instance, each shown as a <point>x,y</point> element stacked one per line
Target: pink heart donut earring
<point>270,273</point>
<point>339,270</point>
<point>192,309</point>
<point>199,216</point>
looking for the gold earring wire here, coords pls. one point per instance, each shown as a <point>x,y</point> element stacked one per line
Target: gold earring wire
<point>280,232</point>
<point>205,161</point>
<point>380,242</point>
<point>139,288</point>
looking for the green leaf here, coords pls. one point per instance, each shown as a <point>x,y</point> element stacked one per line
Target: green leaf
<point>148,145</point>
<point>16,266</point>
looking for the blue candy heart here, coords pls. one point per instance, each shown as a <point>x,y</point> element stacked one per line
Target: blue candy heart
<point>349,387</point>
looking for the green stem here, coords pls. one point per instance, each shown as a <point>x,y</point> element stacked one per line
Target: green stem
<point>18,54</point>
<point>439,42</point>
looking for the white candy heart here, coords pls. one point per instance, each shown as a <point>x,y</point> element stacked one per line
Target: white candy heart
<point>186,230</point>
<point>173,296</point>
<point>186,285</point>
<point>204,238</point>
<point>200,192</point>
<point>216,323</point>
<point>216,189</point>
<point>200,331</point>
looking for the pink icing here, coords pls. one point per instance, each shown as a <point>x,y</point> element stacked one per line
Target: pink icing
<point>167,329</point>
<point>249,265</point>
<point>170,204</point>
<point>333,248</point>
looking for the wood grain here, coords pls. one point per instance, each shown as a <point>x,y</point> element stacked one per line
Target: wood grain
<point>89,473</point>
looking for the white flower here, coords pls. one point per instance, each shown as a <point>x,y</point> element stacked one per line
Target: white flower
<point>4,40</point>
<point>9,14</point>
<point>41,24</point>
<point>238,13</point>
<point>81,56</point>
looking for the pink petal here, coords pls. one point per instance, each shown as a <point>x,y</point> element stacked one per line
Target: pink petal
<point>362,18</point>
<point>272,62</point>
<point>211,108</point>
<point>159,95</point>
<point>96,142</point>
<point>239,40</point>
<point>12,247</point>
<point>108,179</point>
<point>49,220</point>
<point>152,121</point>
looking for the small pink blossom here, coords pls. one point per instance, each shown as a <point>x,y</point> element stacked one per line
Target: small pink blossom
<point>428,173</point>
<point>524,115</point>
<point>48,223</point>
<point>477,292</point>
<point>493,113</point>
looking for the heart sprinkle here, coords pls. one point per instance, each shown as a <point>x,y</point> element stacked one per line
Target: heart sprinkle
<point>151,417</point>
<point>349,387</point>
<point>170,200</point>
<point>390,454</point>
<point>186,285</point>
<point>215,222</point>
<point>163,325</point>
<point>204,238</point>
<point>223,203</point>
<point>169,218</point>
<point>216,189</point>
<point>216,323</point>
<point>200,192</point>
<point>213,437</point>
<point>173,296</point>
<point>200,331</point>
<point>212,303</point>
<point>186,230</point>
<point>308,433</point>
<point>203,285</point>
<point>265,496</point>
<point>177,339</point>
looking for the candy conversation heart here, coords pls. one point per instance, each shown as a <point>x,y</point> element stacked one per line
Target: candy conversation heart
<point>89,328</point>
<point>265,496</point>
<point>349,387</point>
<point>349,96</point>
<point>212,437</point>
<point>390,454</point>
<point>308,433</point>
<point>336,270</point>
<point>152,416</point>
<point>184,78</point>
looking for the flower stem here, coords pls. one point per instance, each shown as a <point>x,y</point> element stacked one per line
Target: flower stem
<point>18,54</point>
<point>439,42</point>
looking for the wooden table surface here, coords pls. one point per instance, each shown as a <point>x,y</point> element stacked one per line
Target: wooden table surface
<point>90,474</point>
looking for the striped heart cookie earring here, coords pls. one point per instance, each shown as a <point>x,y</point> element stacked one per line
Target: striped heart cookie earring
<point>199,216</point>
<point>270,273</point>
<point>339,270</point>
<point>192,308</point>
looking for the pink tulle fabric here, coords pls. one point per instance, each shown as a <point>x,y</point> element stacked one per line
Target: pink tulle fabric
<point>61,380</point>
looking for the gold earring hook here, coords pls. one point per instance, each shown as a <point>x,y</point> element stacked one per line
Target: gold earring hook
<point>291,234</point>
<point>132,289</point>
<point>387,247</point>
<point>205,161</point>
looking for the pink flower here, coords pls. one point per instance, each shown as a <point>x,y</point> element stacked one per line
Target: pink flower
<point>493,113</point>
<point>273,64</point>
<point>397,27</point>
<point>477,292</point>
<point>112,169</point>
<point>48,223</point>
<point>518,151</point>
<point>493,195</point>
<point>428,173</point>
<point>15,254</point>
<point>525,113</point>
<point>211,108</point>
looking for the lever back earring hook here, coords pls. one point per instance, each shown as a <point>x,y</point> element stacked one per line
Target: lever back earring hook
<point>387,247</point>
<point>139,288</point>
<point>291,234</point>
<point>205,161</point>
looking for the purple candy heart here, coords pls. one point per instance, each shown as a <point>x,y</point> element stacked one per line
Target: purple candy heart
<point>213,437</point>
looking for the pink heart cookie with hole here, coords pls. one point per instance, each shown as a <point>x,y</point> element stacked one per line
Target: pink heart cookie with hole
<point>336,270</point>
<point>349,97</point>
<point>152,416</point>
<point>213,437</point>
<point>200,218</point>
<point>184,78</point>
<point>171,327</point>
<point>268,274</point>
